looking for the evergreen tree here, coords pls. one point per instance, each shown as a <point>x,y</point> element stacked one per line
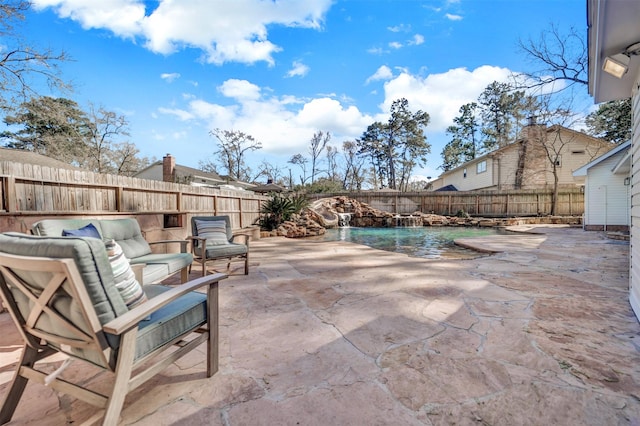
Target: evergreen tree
<point>499,110</point>
<point>464,138</point>
<point>396,147</point>
<point>611,121</point>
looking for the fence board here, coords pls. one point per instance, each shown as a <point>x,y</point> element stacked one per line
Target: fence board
<point>509,203</point>
<point>28,190</point>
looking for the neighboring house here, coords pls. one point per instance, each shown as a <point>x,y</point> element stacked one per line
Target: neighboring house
<point>168,171</point>
<point>28,157</point>
<point>269,187</point>
<point>614,33</point>
<point>606,190</point>
<point>524,164</point>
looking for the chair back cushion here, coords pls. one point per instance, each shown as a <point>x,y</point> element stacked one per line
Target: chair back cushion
<point>127,233</point>
<point>218,237</point>
<point>215,231</point>
<point>57,227</point>
<point>90,258</point>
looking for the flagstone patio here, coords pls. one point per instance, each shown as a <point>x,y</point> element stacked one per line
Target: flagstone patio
<point>334,333</point>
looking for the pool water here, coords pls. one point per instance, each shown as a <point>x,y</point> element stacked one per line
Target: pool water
<point>424,241</point>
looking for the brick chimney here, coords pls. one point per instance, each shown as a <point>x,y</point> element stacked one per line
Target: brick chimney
<point>168,168</point>
<point>533,131</point>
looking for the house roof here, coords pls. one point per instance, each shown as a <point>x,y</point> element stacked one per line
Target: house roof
<point>612,27</point>
<point>619,167</point>
<point>186,171</point>
<point>28,157</point>
<point>269,187</point>
<point>447,188</point>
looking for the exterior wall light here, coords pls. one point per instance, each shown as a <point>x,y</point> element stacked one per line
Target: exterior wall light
<point>617,65</point>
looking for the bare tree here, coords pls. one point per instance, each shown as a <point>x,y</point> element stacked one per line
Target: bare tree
<point>301,161</point>
<point>318,143</point>
<point>233,147</point>
<point>557,57</point>
<point>547,144</point>
<point>332,162</point>
<point>353,174</point>
<point>104,128</point>
<point>273,173</point>
<point>20,61</point>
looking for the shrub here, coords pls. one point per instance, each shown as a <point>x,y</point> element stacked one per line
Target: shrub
<point>279,209</point>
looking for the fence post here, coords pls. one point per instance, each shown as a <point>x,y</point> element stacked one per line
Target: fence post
<point>10,194</point>
<point>119,190</point>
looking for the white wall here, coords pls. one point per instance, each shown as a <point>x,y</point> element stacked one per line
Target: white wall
<point>606,195</point>
<point>634,273</point>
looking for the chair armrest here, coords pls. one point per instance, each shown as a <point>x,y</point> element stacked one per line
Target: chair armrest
<point>131,319</point>
<point>193,239</point>
<point>183,244</point>
<point>245,236</point>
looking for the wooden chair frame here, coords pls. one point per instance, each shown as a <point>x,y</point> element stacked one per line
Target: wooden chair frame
<point>129,372</point>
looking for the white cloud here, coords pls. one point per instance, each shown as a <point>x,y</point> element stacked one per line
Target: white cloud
<point>170,77</point>
<point>284,125</point>
<point>382,73</point>
<point>395,45</point>
<point>418,39</point>
<point>452,17</point>
<point>180,114</point>
<point>298,69</point>
<point>226,30</point>
<point>400,28</point>
<point>442,95</point>
<point>239,89</point>
<point>122,17</point>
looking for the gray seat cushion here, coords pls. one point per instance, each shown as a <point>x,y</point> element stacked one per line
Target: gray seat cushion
<point>183,314</point>
<point>225,250</point>
<point>159,266</point>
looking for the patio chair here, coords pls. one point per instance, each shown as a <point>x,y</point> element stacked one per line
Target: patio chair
<point>61,293</point>
<point>212,239</point>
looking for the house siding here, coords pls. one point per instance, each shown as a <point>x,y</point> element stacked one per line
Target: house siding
<point>524,164</point>
<point>634,250</point>
<point>606,197</point>
<point>153,173</point>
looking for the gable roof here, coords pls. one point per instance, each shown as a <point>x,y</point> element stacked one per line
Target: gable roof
<point>186,171</point>
<point>623,148</point>
<point>28,157</point>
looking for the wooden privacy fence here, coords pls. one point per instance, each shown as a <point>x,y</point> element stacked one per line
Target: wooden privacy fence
<point>507,203</point>
<point>31,192</point>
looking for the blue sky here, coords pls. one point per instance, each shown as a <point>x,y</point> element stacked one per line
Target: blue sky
<point>282,70</point>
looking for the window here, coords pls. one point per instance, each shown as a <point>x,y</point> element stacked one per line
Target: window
<point>481,167</point>
<point>559,161</point>
<point>464,173</point>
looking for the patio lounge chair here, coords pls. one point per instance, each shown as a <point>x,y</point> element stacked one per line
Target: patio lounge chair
<point>61,293</point>
<point>214,234</point>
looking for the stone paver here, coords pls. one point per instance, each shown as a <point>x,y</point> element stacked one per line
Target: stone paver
<point>538,333</point>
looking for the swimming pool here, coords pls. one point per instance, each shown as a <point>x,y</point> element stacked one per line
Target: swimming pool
<point>423,241</point>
